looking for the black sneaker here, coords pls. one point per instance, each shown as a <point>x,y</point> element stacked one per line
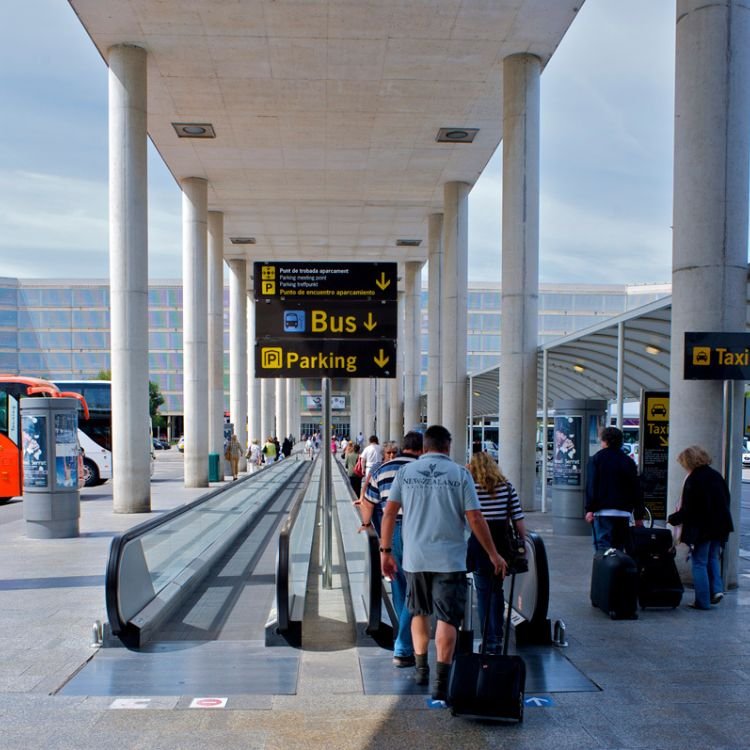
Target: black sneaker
<point>440,694</point>
<point>404,661</point>
<point>423,675</point>
<point>716,598</point>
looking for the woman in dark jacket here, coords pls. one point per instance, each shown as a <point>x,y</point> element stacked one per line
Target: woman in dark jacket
<point>706,523</point>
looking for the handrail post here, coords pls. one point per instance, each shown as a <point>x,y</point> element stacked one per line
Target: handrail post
<point>326,477</point>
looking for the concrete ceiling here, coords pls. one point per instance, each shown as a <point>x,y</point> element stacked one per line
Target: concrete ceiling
<point>326,112</point>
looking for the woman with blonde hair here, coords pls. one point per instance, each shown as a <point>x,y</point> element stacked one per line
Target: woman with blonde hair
<point>500,505</point>
<point>706,523</point>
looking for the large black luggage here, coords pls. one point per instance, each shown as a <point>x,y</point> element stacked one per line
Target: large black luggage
<point>659,583</point>
<point>489,686</point>
<point>614,584</point>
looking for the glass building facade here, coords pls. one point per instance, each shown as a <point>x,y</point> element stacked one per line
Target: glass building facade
<point>59,329</point>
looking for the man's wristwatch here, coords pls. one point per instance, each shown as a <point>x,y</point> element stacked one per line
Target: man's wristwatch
<point>387,550</point>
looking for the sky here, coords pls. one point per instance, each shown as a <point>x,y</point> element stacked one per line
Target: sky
<point>607,99</point>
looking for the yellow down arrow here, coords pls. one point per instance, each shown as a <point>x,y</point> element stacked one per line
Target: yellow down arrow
<point>383,282</point>
<point>381,360</point>
<point>370,323</point>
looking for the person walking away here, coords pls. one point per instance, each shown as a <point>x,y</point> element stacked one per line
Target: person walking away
<point>706,523</point>
<point>309,448</point>
<point>350,461</point>
<point>233,454</point>
<point>438,500</point>
<point>253,456</point>
<point>500,505</point>
<point>372,455</point>
<point>378,491</point>
<point>613,492</point>
<point>286,447</point>
<point>269,450</point>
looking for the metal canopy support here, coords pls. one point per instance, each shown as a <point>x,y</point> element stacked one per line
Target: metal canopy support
<point>620,371</point>
<point>545,419</point>
<point>327,487</point>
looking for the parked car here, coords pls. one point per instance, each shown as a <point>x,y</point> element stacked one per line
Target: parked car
<point>746,458</point>
<point>161,445</point>
<point>181,444</point>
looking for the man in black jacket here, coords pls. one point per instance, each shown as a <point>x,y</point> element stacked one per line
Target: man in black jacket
<point>613,492</point>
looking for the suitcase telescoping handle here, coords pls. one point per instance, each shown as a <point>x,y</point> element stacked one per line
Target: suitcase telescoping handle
<point>495,590</point>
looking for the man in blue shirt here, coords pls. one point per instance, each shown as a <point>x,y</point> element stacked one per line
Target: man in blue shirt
<point>437,498</point>
<point>376,496</point>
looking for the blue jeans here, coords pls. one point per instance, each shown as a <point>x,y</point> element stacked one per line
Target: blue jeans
<point>610,531</point>
<point>706,572</point>
<point>483,585</point>
<point>402,645</point>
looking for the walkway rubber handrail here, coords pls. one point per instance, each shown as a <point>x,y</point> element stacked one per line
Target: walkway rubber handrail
<point>283,560</point>
<point>117,625</point>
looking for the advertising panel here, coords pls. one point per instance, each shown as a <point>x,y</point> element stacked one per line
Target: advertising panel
<point>35,456</point>
<point>566,460</point>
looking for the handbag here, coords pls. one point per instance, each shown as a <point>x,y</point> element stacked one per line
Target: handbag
<point>359,468</point>
<point>510,545</point>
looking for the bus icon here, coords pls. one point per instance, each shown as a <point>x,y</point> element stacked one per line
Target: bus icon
<point>294,321</point>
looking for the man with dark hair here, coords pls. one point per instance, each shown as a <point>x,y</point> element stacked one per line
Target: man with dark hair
<point>613,492</point>
<point>376,496</point>
<point>438,499</point>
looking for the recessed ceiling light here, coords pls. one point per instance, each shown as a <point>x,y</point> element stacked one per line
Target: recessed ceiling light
<point>242,240</point>
<point>408,243</point>
<point>456,135</point>
<point>653,349</point>
<point>194,129</point>
<point>579,368</point>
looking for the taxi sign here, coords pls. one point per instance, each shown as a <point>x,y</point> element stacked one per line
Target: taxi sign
<point>326,319</point>
<point>331,358</point>
<point>325,281</point>
<point>717,356</point>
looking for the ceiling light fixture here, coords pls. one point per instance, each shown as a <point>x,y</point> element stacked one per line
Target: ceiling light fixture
<point>456,135</point>
<point>194,129</point>
<point>579,368</point>
<point>653,349</point>
<point>242,240</point>
<point>408,243</point>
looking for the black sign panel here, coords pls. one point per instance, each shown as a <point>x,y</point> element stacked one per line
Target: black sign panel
<point>326,281</point>
<point>566,459</point>
<point>717,356</point>
<point>332,358</point>
<point>326,319</point>
<point>655,451</point>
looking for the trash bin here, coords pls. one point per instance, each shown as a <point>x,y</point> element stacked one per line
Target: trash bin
<point>214,467</point>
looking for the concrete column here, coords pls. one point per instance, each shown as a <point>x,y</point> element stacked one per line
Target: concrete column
<point>195,328</point>
<point>292,423</point>
<point>382,411</point>
<point>253,383</point>
<point>358,387</point>
<point>280,408</point>
<point>216,332</point>
<point>369,394</point>
<point>434,290</point>
<point>267,408</point>
<point>128,270</point>
<point>520,273</point>
<point>396,385</point>
<point>411,342</point>
<point>453,313</point>
<point>709,254</point>
<point>238,353</point>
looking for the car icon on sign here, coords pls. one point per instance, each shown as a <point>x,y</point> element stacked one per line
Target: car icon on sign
<point>658,410</point>
<point>701,357</point>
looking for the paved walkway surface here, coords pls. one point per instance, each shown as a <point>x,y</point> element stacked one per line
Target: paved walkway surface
<point>671,679</point>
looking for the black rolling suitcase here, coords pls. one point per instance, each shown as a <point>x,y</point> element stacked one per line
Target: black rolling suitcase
<point>614,584</point>
<point>659,583</point>
<point>489,686</point>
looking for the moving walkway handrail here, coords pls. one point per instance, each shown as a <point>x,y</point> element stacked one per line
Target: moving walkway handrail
<point>120,623</point>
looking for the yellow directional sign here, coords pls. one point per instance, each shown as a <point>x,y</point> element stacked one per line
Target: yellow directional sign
<point>290,358</point>
<point>654,451</point>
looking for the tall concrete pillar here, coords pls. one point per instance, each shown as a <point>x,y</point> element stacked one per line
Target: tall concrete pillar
<point>128,271</point>
<point>520,273</point>
<point>238,353</point>
<point>382,410</point>
<point>281,408</point>
<point>396,385</point>
<point>411,342</point>
<point>267,408</point>
<point>455,280</point>
<point>292,423</point>
<point>710,239</point>
<point>369,397</point>
<point>216,332</point>
<point>358,387</point>
<point>434,290</point>
<point>253,383</point>
<point>195,328</point>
